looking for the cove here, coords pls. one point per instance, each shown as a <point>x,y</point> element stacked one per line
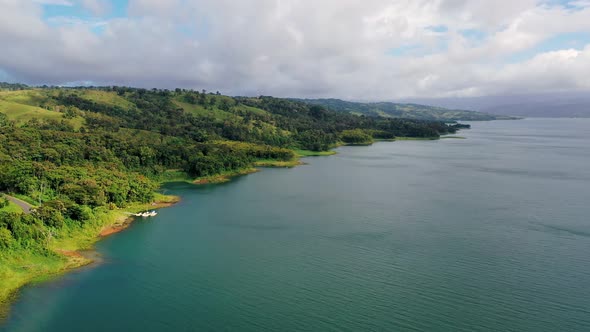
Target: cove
<point>486,233</point>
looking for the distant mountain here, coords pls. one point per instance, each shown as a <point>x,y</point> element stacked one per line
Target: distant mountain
<point>549,105</point>
<point>408,111</point>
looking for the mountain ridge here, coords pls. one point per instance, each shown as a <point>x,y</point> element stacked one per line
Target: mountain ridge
<point>404,110</point>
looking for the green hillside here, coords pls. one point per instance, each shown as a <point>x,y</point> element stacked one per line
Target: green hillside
<point>407,111</point>
<point>22,106</point>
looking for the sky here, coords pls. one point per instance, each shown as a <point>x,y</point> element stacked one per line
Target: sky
<point>351,49</point>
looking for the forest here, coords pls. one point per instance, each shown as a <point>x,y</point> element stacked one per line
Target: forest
<point>77,153</point>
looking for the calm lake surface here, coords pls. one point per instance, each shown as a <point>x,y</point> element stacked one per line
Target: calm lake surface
<point>490,233</point>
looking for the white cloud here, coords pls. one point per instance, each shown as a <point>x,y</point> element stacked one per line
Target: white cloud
<point>337,48</point>
<point>54,2</point>
<point>155,7</point>
<point>97,7</point>
<point>64,21</point>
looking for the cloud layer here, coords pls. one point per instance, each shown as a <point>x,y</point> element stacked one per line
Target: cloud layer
<point>372,49</point>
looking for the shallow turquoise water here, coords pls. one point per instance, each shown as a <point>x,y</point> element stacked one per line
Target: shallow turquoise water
<point>491,233</point>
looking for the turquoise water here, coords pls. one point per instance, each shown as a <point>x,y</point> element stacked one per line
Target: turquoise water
<point>490,233</point>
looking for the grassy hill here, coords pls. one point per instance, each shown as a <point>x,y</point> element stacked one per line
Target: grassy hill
<point>407,111</point>
<point>22,106</point>
<point>22,113</point>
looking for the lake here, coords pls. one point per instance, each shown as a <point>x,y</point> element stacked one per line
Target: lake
<point>487,233</point>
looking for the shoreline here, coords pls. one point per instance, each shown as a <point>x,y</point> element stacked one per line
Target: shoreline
<point>128,219</point>
<point>84,255</point>
<point>72,257</point>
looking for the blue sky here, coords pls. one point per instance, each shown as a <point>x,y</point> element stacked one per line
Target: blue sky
<point>562,41</point>
<point>66,12</point>
<point>71,12</point>
<point>116,9</point>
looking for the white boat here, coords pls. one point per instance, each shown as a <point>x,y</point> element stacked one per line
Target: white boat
<point>145,214</point>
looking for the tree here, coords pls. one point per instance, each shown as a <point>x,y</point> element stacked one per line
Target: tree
<point>224,105</point>
<point>6,239</point>
<point>49,216</point>
<point>356,136</point>
<point>4,122</point>
<point>80,213</point>
<point>3,202</point>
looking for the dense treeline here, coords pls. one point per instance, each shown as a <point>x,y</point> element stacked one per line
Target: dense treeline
<point>13,86</point>
<point>284,123</point>
<point>112,144</point>
<point>318,128</point>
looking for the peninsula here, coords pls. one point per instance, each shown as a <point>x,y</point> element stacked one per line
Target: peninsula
<point>81,160</point>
